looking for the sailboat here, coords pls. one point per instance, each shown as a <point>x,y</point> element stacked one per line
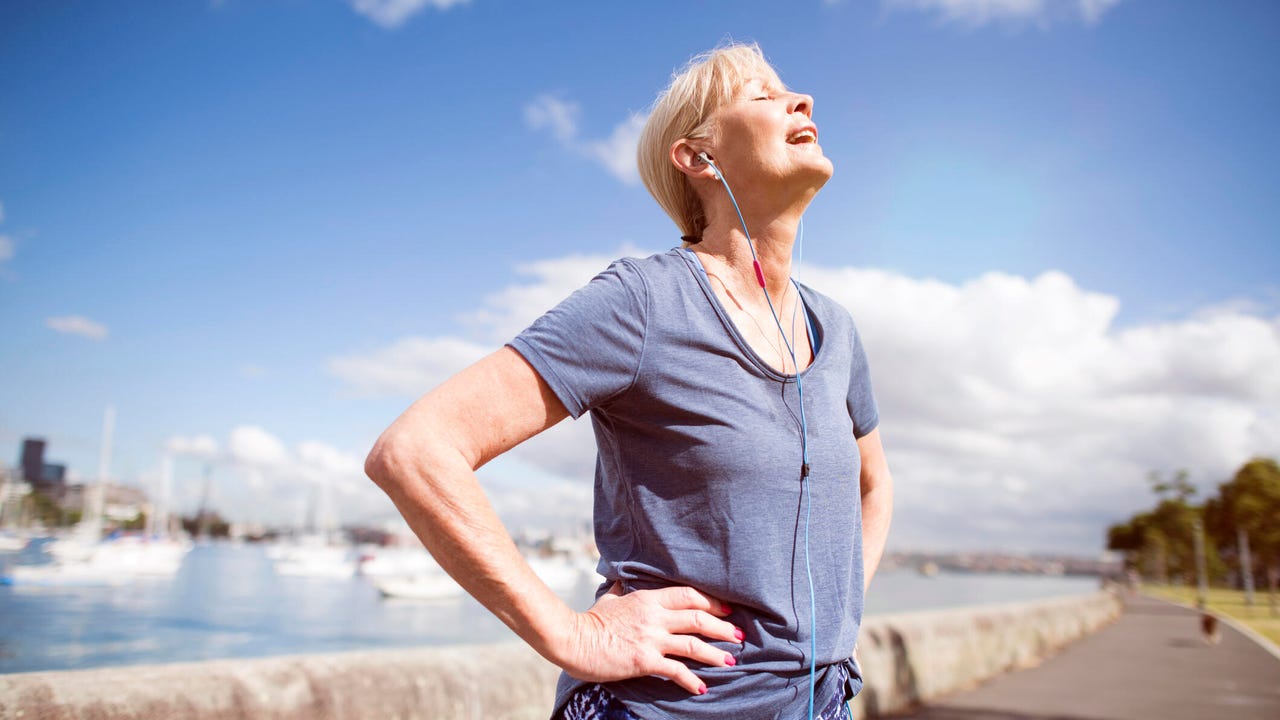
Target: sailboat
<point>85,558</point>
<point>319,552</point>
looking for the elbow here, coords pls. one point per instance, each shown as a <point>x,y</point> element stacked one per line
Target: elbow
<point>383,460</point>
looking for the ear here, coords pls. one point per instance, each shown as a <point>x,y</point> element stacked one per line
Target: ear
<point>684,155</point>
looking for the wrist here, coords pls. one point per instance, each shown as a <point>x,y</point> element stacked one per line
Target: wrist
<point>553,631</point>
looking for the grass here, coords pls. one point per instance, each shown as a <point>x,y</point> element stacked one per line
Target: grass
<point>1262,617</point>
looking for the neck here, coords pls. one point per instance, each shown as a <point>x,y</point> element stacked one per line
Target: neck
<point>773,236</point>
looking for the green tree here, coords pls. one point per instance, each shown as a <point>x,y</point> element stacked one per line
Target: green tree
<point>1250,501</point>
<point>1160,543</point>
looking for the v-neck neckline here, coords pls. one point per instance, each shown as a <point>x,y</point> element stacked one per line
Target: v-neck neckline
<point>813,326</point>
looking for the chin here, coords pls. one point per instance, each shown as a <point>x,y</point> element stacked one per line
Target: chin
<point>820,171</point>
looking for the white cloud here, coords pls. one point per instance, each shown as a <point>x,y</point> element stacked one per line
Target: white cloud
<point>77,325</point>
<point>391,14</point>
<point>253,446</point>
<point>261,479</point>
<point>1015,413</point>
<point>558,116</point>
<point>975,13</point>
<point>616,153</point>
<point>407,367</point>
<point>6,247</point>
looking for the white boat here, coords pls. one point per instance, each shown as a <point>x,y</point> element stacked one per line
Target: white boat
<point>396,561</point>
<point>313,556</point>
<point>424,586</point>
<point>110,562</point>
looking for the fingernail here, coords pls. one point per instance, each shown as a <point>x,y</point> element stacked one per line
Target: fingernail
<point>737,632</point>
<point>724,608</point>
<point>702,689</point>
<point>730,660</point>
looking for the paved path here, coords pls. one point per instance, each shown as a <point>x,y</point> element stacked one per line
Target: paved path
<point>1149,665</point>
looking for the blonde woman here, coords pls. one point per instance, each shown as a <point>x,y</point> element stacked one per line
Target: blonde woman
<point>742,496</point>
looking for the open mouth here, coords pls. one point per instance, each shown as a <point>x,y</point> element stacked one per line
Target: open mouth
<point>803,137</point>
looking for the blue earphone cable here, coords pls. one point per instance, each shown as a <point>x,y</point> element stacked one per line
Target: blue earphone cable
<point>804,428</point>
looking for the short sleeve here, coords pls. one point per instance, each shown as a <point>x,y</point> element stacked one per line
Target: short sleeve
<point>588,348</point>
<point>862,402</point>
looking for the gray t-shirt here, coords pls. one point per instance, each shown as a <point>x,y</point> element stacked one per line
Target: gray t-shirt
<point>698,475</point>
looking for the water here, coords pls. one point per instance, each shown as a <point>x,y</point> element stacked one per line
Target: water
<point>226,602</point>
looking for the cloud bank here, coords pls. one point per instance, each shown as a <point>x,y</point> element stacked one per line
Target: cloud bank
<point>1015,413</point>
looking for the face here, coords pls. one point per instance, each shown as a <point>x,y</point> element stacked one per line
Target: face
<point>766,137</point>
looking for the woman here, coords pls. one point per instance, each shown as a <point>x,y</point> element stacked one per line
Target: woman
<point>742,495</point>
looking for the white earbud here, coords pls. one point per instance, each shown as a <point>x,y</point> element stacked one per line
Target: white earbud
<point>703,157</point>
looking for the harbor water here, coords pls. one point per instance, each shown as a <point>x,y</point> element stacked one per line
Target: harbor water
<point>228,602</point>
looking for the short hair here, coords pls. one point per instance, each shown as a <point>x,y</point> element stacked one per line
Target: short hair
<point>684,110</point>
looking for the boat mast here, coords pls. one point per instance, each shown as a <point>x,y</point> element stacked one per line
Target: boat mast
<point>95,500</point>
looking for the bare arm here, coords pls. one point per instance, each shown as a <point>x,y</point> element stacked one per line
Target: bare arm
<point>877,502</point>
<point>426,463</point>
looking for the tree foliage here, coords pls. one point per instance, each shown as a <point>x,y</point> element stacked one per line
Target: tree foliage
<point>1250,501</point>
<point>1160,543</point>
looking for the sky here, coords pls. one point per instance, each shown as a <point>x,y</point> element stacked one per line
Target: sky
<point>259,230</point>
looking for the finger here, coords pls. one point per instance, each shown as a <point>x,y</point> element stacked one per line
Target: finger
<point>615,589</point>
<point>700,622</point>
<point>682,675</point>
<point>686,598</point>
<point>688,646</point>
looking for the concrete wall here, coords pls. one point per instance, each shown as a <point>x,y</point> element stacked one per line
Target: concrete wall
<point>905,658</point>
<point>917,657</point>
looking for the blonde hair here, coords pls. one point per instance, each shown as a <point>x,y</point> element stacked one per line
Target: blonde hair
<point>684,110</point>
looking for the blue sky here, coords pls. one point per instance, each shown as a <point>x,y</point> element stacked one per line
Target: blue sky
<point>270,225</point>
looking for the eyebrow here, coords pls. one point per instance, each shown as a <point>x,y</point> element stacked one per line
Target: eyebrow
<point>764,84</point>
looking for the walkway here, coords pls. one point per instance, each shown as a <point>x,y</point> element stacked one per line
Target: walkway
<point>1150,665</point>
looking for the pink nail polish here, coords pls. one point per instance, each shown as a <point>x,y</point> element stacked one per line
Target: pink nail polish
<point>724,608</point>
<point>737,632</point>
<point>702,689</point>
<point>730,660</point>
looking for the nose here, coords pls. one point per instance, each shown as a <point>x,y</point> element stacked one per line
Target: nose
<point>801,103</point>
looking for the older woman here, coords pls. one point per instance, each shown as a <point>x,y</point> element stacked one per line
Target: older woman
<point>742,496</point>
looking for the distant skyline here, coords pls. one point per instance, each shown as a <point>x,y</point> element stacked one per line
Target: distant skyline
<point>259,230</point>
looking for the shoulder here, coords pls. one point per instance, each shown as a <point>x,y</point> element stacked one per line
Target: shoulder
<point>655,266</point>
<point>642,275</point>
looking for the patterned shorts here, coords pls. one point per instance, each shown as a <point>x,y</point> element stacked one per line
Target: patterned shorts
<point>596,703</point>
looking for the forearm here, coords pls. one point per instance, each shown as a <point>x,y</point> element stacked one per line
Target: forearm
<point>438,494</point>
<point>877,511</point>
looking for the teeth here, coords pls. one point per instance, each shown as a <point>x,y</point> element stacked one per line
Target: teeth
<point>804,136</point>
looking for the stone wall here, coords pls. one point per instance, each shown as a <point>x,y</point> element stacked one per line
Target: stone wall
<point>905,658</point>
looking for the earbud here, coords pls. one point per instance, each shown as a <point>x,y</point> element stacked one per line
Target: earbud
<point>702,157</point>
